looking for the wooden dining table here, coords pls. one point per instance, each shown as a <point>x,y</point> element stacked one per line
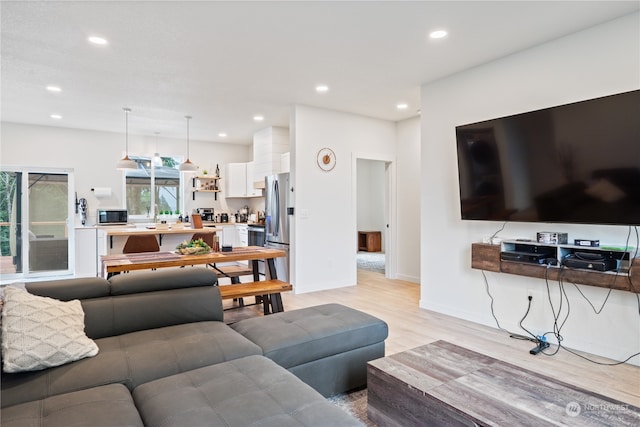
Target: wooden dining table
<point>114,264</point>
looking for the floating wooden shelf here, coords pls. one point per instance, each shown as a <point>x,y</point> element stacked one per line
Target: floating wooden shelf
<point>202,189</point>
<point>485,256</point>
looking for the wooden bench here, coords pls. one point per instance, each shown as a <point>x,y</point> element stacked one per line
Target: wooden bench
<point>233,272</point>
<point>268,289</point>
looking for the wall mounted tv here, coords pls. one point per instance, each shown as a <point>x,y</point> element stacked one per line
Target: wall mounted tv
<point>577,163</point>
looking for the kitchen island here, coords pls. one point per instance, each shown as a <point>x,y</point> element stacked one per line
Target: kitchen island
<point>111,239</point>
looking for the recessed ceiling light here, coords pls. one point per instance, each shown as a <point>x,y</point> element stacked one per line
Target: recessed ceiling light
<point>52,88</point>
<point>402,106</point>
<point>56,116</point>
<point>258,118</point>
<point>98,40</point>
<point>322,88</point>
<point>438,34</point>
<point>222,135</point>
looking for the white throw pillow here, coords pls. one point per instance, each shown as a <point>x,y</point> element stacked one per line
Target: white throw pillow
<point>40,332</point>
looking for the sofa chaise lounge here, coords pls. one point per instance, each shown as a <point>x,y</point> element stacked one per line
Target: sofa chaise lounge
<point>166,358</point>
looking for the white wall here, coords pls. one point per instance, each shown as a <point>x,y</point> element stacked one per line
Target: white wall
<point>93,156</point>
<point>330,197</point>
<point>592,63</point>
<point>323,255</point>
<point>408,191</point>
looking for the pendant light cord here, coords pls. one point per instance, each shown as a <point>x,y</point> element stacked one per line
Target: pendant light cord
<point>126,128</point>
<point>188,118</point>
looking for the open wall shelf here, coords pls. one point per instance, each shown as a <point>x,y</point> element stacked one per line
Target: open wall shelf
<point>486,257</point>
<point>206,184</point>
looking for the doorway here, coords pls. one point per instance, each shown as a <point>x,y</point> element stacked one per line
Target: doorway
<point>35,237</point>
<point>372,218</point>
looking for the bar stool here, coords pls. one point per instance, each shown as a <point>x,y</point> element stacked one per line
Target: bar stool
<point>144,243</point>
<point>137,244</point>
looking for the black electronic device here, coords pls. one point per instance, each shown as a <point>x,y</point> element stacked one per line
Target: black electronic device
<point>552,237</point>
<point>589,256</point>
<point>602,264</point>
<point>207,214</point>
<point>586,243</point>
<point>577,163</point>
<point>528,257</point>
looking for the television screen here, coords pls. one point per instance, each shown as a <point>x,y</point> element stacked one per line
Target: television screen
<point>576,163</point>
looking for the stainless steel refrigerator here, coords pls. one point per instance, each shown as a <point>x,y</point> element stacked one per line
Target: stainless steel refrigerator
<point>277,219</point>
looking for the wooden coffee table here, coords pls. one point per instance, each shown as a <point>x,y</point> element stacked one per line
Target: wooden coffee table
<point>442,384</point>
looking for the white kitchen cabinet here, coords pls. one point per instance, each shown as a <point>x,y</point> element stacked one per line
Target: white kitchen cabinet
<point>238,183</point>
<point>251,190</point>
<point>86,258</point>
<point>242,231</point>
<point>268,146</point>
<point>235,235</point>
<point>285,162</point>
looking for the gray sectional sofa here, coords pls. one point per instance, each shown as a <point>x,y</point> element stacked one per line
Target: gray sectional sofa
<point>166,358</point>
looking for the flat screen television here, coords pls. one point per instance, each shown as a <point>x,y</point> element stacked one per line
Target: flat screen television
<point>577,163</point>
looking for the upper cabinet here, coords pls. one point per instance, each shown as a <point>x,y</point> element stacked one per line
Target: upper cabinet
<point>252,191</point>
<point>285,161</point>
<point>239,180</point>
<point>268,146</point>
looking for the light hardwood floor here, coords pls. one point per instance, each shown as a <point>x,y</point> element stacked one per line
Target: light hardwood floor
<point>396,302</point>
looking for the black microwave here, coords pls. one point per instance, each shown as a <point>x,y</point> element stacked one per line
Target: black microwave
<point>111,217</point>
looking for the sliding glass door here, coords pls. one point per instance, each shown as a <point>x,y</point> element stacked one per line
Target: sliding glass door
<point>10,224</point>
<point>35,214</point>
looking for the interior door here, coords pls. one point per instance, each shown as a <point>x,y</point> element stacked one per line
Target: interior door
<point>10,224</point>
<point>48,227</point>
<point>35,213</point>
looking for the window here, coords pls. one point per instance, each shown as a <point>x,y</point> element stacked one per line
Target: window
<point>153,184</point>
<point>35,210</point>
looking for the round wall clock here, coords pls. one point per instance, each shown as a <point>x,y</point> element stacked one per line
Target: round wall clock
<point>326,159</point>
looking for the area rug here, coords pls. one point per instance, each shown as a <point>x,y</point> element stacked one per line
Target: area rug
<point>372,261</point>
<point>354,403</point>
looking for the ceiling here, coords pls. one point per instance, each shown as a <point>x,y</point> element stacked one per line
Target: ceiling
<point>225,62</point>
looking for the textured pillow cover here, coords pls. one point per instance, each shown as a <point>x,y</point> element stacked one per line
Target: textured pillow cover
<point>40,332</point>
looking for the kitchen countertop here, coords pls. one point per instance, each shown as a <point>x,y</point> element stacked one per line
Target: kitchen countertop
<point>126,231</point>
<point>226,224</point>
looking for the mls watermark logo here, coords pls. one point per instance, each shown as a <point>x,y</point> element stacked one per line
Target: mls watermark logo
<point>573,409</point>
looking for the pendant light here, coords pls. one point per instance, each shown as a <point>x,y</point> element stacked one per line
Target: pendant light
<point>187,166</point>
<point>126,163</point>
<point>157,160</point>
